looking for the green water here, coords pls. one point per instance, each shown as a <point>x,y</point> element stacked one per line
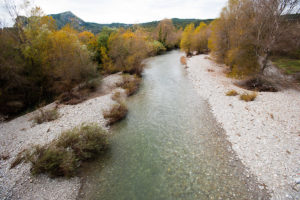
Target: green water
<point>168,147</point>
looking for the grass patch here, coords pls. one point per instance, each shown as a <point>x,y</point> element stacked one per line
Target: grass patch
<point>232,93</point>
<point>64,156</point>
<point>116,113</point>
<point>130,84</point>
<point>290,66</point>
<point>46,116</point>
<point>248,96</point>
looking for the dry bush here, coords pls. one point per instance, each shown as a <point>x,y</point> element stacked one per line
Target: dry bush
<point>116,113</point>
<point>183,60</point>
<point>46,116</point>
<point>116,96</point>
<point>72,98</point>
<point>211,70</point>
<point>258,83</point>
<point>232,93</point>
<point>130,84</point>
<point>91,85</point>
<point>248,96</point>
<point>64,156</point>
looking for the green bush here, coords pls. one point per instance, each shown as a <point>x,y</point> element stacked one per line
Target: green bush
<point>46,116</point>
<point>86,141</point>
<point>53,161</point>
<point>64,156</point>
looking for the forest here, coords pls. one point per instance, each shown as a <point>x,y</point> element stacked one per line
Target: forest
<point>40,62</point>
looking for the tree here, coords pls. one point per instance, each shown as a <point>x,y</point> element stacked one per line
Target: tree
<point>166,34</point>
<point>200,38</point>
<point>37,62</point>
<point>271,25</point>
<point>127,50</point>
<point>247,32</point>
<point>186,39</point>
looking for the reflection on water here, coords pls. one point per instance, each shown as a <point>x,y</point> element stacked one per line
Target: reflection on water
<point>168,147</point>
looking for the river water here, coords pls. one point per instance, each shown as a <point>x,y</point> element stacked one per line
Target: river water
<point>168,147</point>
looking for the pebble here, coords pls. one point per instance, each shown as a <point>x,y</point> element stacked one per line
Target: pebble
<point>264,159</point>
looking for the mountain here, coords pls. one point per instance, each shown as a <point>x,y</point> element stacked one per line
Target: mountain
<point>69,18</point>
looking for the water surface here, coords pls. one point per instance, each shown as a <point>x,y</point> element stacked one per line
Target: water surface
<point>168,147</point>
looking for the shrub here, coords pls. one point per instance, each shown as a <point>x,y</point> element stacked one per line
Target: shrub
<point>258,83</point>
<point>116,113</point>
<point>116,96</point>
<point>183,60</point>
<point>85,141</point>
<point>64,156</point>
<point>130,84</point>
<point>231,93</point>
<point>46,116</point>
<point>248,96</point>
<point>53,161</point>
<point>91,85</point>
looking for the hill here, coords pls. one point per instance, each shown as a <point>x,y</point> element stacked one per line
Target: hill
<point>69,18</point>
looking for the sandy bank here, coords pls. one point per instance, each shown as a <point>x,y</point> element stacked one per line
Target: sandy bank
<point>264,133</point>
<point>20,133</point>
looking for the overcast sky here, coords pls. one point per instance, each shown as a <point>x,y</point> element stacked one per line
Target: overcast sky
<point>132,11</point>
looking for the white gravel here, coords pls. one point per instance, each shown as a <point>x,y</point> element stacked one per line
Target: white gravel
<point>20,133</point>
<point>268,146</point>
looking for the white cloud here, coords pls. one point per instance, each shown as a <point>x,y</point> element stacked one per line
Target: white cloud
<point>133,11</point>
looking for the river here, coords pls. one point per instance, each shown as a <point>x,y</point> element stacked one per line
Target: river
<point>169,146</point>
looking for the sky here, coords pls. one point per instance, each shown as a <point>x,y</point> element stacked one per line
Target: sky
<point>130,11</point>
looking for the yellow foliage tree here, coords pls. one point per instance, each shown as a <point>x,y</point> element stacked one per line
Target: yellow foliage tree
<point>127,50</point>
<point>200,38</point>
<point>186,39</point>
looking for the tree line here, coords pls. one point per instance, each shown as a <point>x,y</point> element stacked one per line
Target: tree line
<point>39,62</point>
<point>247,34</point>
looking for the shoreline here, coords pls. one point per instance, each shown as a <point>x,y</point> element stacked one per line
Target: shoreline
<point>264,133</point>
<point>20,133</point>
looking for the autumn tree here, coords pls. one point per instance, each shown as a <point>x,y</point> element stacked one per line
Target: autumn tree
<point>247,32</point>
<point>88,39</point>
<point>127,50</point>
<point>102,44</point>
<point>37,62</point>
<point>166,34</point>
<point>187,38</point>
<point>200,38</point>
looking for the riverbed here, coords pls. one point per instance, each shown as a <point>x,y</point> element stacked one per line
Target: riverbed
<point>169,147</point>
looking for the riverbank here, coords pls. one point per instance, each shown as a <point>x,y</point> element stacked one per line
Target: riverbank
<point>21,133</point>
<point>264,133</point>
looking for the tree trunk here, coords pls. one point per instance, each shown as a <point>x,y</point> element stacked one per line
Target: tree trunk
<point>264,61</point>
